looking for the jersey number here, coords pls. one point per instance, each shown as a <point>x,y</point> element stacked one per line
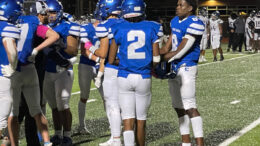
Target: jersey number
<point>131,50</point>
<point>23,36</point>
<point>174,42</point>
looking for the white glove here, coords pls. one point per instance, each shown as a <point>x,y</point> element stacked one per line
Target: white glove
<point>97,82</point>
<point>93,49</point>
<point>7,70</point>
<point>33,55</point>
<point>73,60</point>
<point>60,69</point>
<point>173,58</point>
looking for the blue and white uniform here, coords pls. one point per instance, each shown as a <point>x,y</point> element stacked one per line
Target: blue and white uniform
<point>110,87</point>
<point>134,74</point>
<point>25,79</point>
<point>57,86</point>
<point>7,30</point>
<point>182,87</point>
<point>86,70</point>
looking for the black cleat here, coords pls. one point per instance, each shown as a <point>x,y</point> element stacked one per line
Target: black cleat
<point>215,59</point>
<point>221,58</point>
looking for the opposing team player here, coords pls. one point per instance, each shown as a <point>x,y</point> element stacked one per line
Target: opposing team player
<point>25,79</point>
<point>231,30</point>
<point>203,16</point>
<point>57,85</point>
<point>216,35</point>
<point>256,20</point>
<point>87,71</point>
<point>249,31</point>
<point>184,43</point>
<point>9,33</point>
<point>139,49</point>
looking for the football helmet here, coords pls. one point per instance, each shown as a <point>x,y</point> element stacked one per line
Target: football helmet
<point>40,7</point>
<point>203,11</point>
<point>108,7</point>
<point>10,10</point>
<point>164,71</point>
<point>55,6</point>
<point>133,8</point>
<point>252,13</point>
<point>215,15</point>
<point>68,17</point>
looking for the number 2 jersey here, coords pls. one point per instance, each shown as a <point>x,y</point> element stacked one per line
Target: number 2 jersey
<point>191,25</point>
<point>10,31</point>
<point>135,41</point>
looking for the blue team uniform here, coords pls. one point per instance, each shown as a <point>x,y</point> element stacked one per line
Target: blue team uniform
<point>191,25</point>
<point>87,31</point>
<point>10,31</point>
<point>136,51</point>
<point>103,29</point>
<point>64,29</point>
<point>28,28</point>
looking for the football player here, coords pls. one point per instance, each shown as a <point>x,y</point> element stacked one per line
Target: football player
<point>87,71</point>
<point>231,29</point>
<point>9,34</point>
<point>216,35</point>
<point>257,32</point>
<point>139,49</point>
<point>249,31</point>
<point>203,16</point>
<point>25,79</point>
<point>184,47</point>
<point>58,83</point>
<point>109,12</point>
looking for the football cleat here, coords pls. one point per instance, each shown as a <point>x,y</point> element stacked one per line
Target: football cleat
<point>56,140</point>
<point>66,141</point>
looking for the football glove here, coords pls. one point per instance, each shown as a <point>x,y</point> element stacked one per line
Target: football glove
<point>7,70</point>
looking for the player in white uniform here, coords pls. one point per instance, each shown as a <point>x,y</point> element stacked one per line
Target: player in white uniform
<point>183,51</point>
<point>249,31</point>
<point>9,33</point>
<point>203,16</point>
<point>216,35</point>
<point>257,32</point>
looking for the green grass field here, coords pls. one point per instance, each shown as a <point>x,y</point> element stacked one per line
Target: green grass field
<point>218,84</point>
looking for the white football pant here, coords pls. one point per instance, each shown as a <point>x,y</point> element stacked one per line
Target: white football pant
<point>204,42</point>
<point>215,41</point>
<point>134,96</point>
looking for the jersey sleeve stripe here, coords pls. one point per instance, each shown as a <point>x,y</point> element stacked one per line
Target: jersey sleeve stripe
<point>11,35</point>
<point>101,34</point>
<point>197,26</point>
<point>83,34</point>
<point>195,32</point>
<point>101,29</point>
<point>12,29</point>
<point>76,28</point>
<point>76,33</point>
<point>84,40</point>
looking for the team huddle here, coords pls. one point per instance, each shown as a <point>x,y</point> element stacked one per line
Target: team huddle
<point>119,52</point>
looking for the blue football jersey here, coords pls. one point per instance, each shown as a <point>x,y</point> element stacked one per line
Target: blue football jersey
<point>64,29</point>
<point>136,47</point>
<point>28,26</point>
<point>191,25</point>
<point>10,31</point>
<point>87,33</point>
<point>103,30</point>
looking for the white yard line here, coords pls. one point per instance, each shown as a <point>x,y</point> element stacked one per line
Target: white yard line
<point>235,102</point>
<point>240,133</point>
<point>228,59</point>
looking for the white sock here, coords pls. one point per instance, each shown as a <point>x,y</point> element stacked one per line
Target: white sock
<point>115,121</point>
<point>58,132</point>
<point>81,113</point>
<point>129,138</point>
<point>197,127</point>
<point>184,123</point>
<point>186,144</point>
<point>67,134</point>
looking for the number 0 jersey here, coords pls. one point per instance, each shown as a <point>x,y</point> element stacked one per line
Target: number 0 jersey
<point>191,25</point>
<point>135,51</point>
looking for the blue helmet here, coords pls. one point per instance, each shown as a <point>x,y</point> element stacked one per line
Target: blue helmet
<point>163,70</point>
<point>133,8</point>
<point>40,7</point>
<point>108,7</point>
<point>10,10</point>
<point>55,6</point>
<point>68,17</point>
<point>96,14</point>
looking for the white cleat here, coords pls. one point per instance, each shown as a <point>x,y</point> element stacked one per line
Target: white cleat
<point>107,143</point>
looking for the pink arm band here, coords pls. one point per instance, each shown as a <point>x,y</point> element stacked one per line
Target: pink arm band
<point>41,31</point>
<point>88,45</point>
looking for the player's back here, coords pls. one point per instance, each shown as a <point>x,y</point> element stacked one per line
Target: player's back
<point>136,50</point>
<point>205,20</point>
<point>257,23</point>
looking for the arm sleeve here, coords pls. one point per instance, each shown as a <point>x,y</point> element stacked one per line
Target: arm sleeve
<point>41,31</point>
<point>196,28</point>
<point>11,32</point>
<point>74,30</point>
<point>101,31</point>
